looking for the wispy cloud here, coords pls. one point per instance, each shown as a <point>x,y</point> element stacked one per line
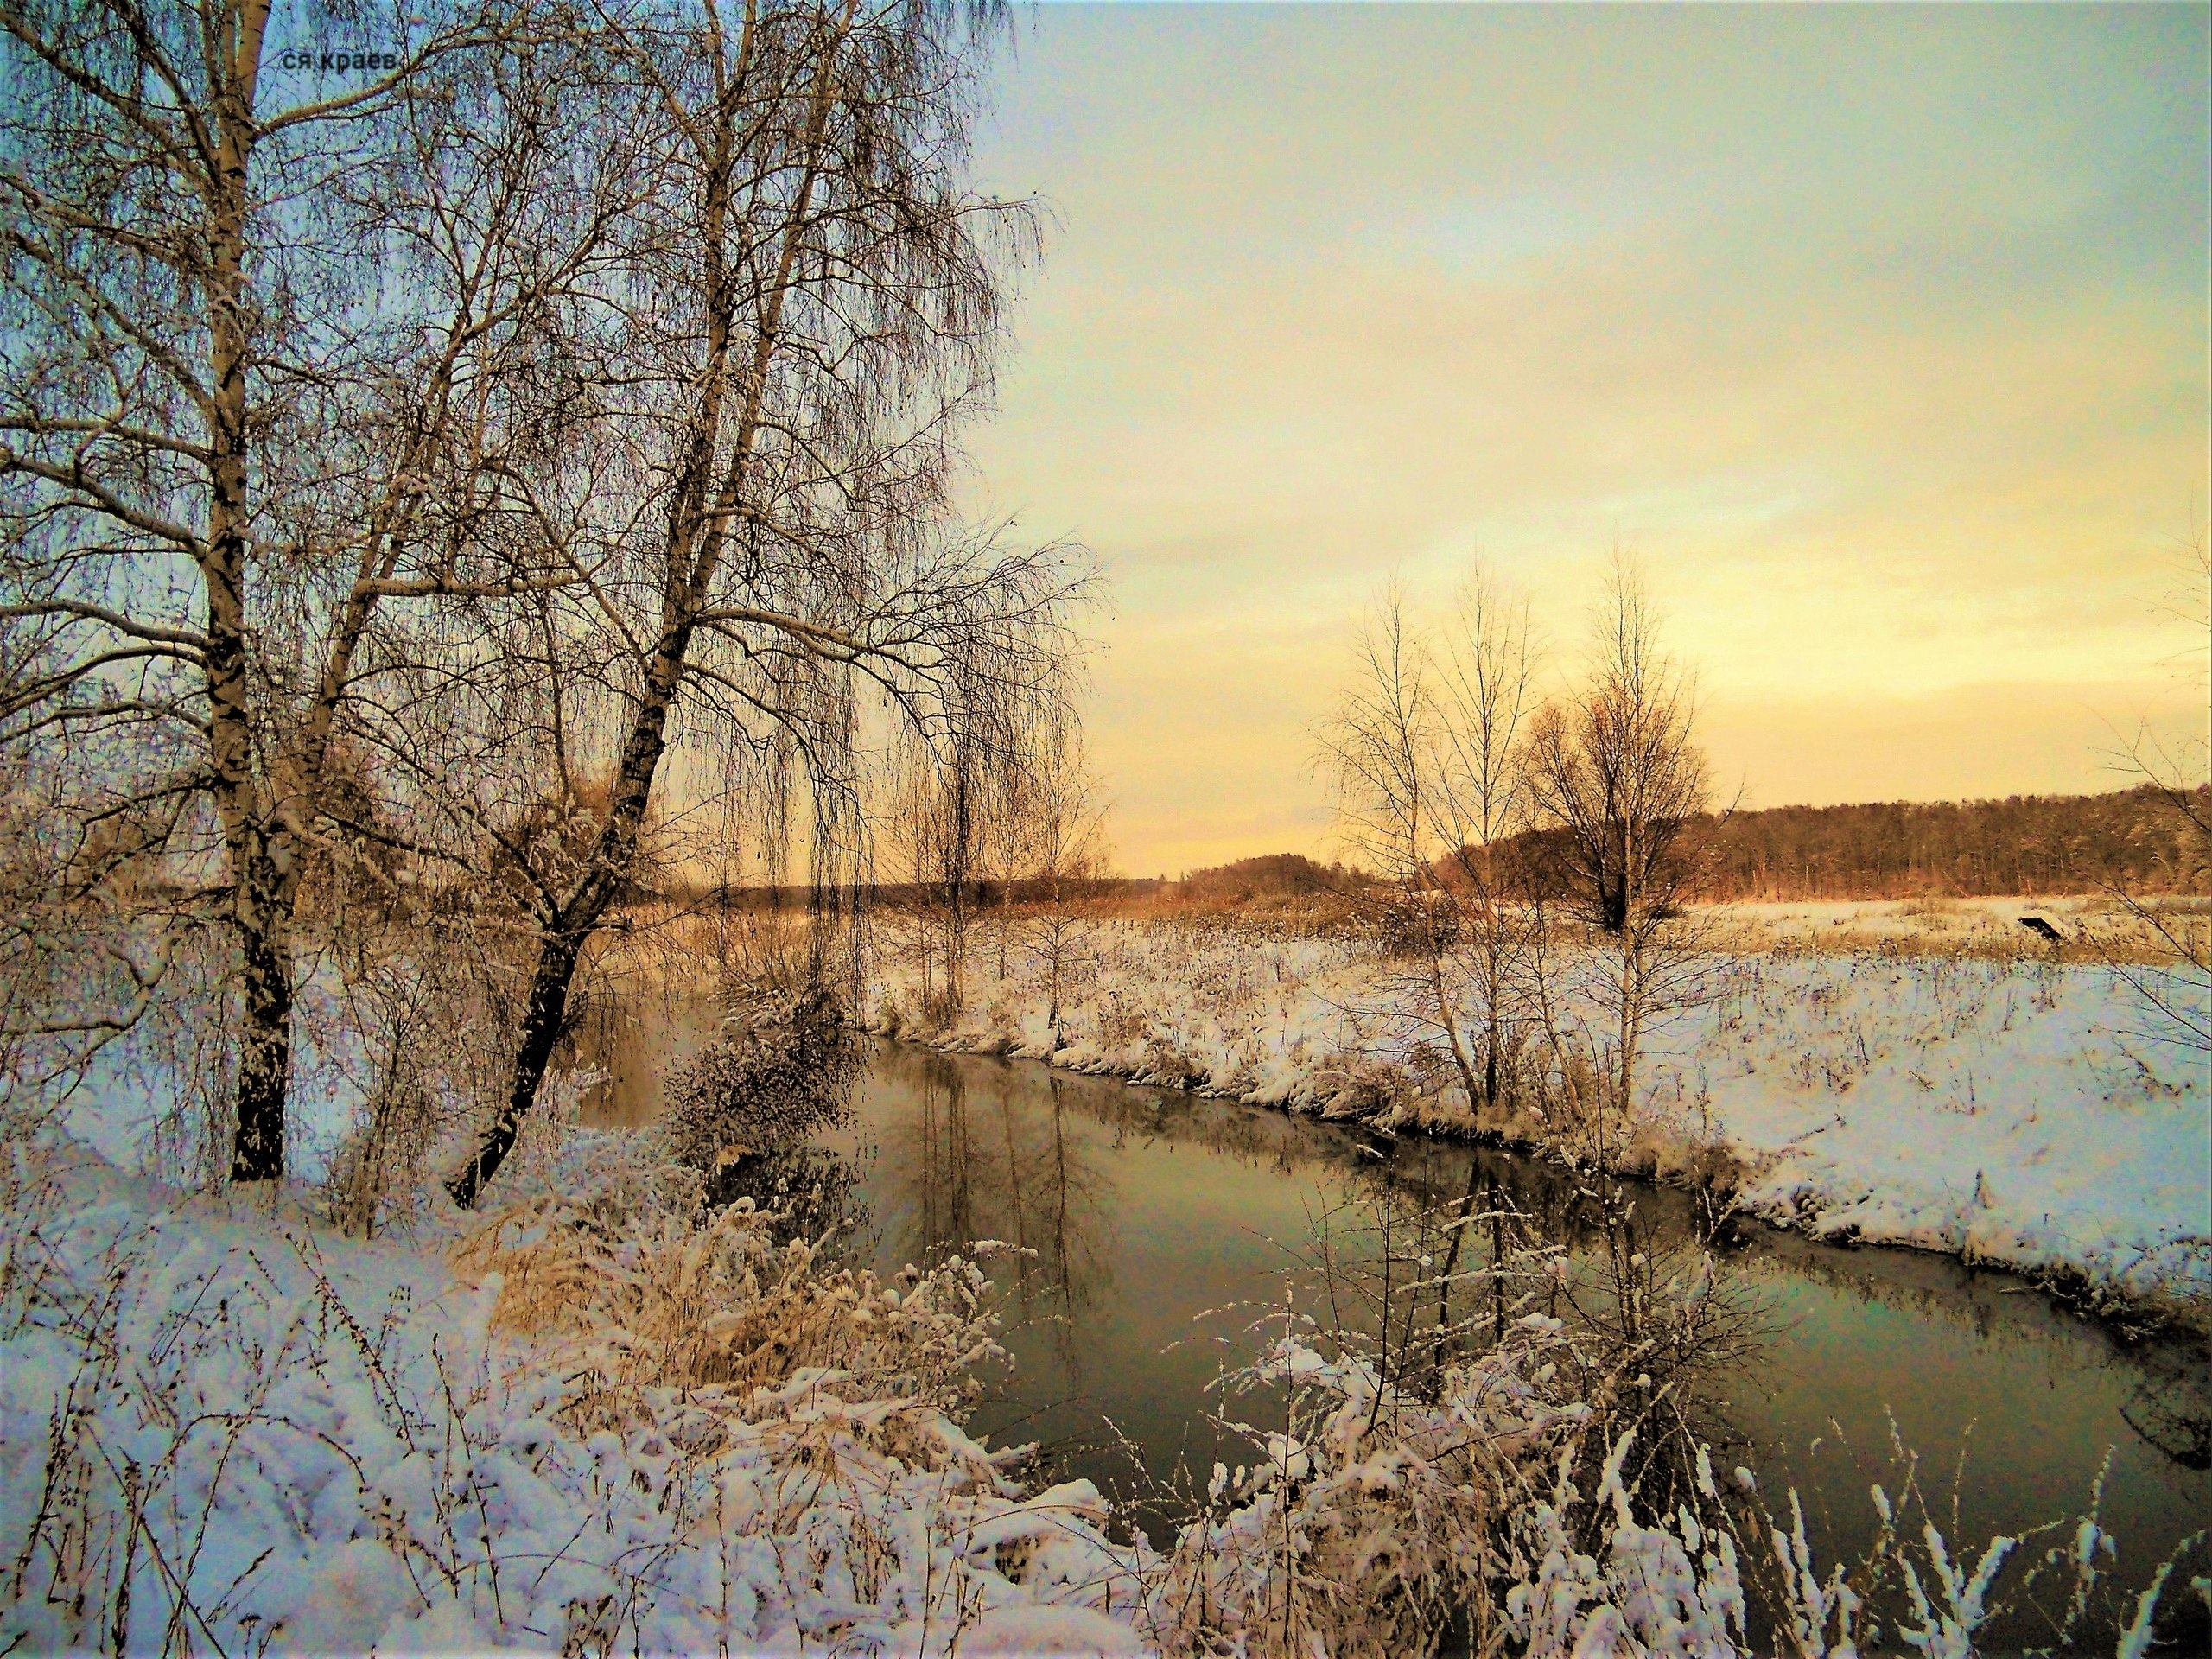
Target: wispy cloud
<point>1882,332</point>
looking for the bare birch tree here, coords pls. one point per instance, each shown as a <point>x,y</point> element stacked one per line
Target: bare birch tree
<point>1424,753</point>
<point>960,800</point>
<point>1616,781</point>
<point>1061,852</point>
<point>1484,672</point>
<point>1379,751</point>
<point>814,311</point>
<point>248,409</point>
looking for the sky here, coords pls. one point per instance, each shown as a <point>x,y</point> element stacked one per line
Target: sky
<point>1879,336</point>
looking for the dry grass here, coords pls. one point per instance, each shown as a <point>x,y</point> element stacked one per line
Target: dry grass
<point>661,1301</point>
<point>2093,930</point>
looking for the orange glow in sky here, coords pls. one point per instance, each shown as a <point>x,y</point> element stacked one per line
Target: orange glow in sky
<point>1880,332</point>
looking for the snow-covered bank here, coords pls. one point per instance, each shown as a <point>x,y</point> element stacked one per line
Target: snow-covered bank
<point>224,1429</point>
<point>601,1421</point>
<point>2011,1111</point>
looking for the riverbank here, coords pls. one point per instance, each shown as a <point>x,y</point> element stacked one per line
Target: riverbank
<point>602,1417</point>
<point>225,1425</point>
<point>2014,1112</point>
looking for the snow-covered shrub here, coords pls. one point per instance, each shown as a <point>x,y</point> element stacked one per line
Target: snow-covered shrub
<point>1672,1586</point>
<point>422,1021</point>
<point>1375,1515</point>
<point>783,1065</point>
<point>241,1433</point>
<point>1425,1419</point>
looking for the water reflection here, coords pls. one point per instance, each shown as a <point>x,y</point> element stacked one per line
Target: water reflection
<point>958,1164</point>
<point>1132,1212</point>
<point>1113,1245</point>
<point>2171,1409</point>
<point>1147,1207</point>
<point>634,1042</point>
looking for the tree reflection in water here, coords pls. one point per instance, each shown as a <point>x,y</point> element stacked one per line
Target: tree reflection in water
<point>1132,1209</point>
<point>954,1164</point>
<point>814,1192</point>
<point>2171,1409</point>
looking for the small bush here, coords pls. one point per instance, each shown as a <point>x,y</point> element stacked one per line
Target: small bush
<point>784,1065</point>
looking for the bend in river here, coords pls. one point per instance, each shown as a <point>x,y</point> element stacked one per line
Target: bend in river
<point>1134,1210</point>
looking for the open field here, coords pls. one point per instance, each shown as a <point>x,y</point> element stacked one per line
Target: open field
<point>2092,927</point>
<point>702,932</point>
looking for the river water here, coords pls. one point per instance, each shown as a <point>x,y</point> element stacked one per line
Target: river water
<point>1134,1210</point>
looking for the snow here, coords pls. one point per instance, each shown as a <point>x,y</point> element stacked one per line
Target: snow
<point>225,1425</point>
<point>2017,1111</point>
<point>327,1445</point>
<point>2019,1118</point>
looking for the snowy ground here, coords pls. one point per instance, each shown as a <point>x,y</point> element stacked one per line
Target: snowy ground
<point>2016,1110</point>
<point>225,1426</point>
<point>223,1429</point>
<point>1931,926</point>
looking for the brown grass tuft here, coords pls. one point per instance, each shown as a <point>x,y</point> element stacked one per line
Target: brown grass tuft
<point>666,1302</point>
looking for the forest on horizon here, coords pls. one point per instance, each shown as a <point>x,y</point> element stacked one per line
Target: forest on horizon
<point>2022,845</point>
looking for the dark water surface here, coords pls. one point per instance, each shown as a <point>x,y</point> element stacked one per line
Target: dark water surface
<point>1137,1210</point>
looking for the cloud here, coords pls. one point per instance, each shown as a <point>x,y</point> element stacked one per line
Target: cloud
<point>1881,333</point>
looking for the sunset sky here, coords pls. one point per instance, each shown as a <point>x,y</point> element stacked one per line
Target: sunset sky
<point>1880,333</point>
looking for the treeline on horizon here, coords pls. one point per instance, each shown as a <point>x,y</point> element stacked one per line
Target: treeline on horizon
<point>2024,845</point>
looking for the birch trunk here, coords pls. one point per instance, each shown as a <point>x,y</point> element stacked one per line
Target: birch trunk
<point>261,867</point>
<point>697,530</point>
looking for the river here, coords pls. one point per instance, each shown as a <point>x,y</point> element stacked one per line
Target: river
<point>1132,1212</point>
